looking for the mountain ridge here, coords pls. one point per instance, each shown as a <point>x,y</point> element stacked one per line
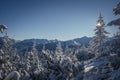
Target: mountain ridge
<point>27,44</point>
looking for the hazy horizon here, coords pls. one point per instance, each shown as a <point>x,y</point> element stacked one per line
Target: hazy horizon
<point>53,39</point>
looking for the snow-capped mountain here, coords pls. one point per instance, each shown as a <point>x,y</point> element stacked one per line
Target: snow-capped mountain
<point>51,44</point>
<point>79,41</point>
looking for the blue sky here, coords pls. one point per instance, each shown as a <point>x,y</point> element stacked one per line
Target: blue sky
<point>54,19</point>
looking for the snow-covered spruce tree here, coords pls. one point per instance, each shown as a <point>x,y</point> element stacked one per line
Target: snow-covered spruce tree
<point>67,51</point>
<point>115,41</point>
<point>116,22</point>
<point>59,52</point>
<point>8,49</point>
<point>5,49</point>
<point>96,45</point>
<point>35,54</point>
<point>6,67</point>
<point>83,54</point>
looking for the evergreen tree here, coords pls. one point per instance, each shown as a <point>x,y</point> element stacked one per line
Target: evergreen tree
<point>115,41</point>
<point>35,53</point>
<point>59,52</point>
<point>96,44</point>
<point>116,22</point>
<point>68,51</point>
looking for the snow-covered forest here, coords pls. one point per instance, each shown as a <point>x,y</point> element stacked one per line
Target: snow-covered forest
<point>97,60</point>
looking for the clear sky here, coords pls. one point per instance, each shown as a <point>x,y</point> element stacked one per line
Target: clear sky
<point>54,19</point>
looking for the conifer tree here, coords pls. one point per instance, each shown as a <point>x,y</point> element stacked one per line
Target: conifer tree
<point>100,37</point>
<point>115,42</point>
<point>59,51</point>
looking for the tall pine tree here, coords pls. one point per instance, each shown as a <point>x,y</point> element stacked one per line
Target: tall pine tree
<point>96,45</point>
<point>115,41</point>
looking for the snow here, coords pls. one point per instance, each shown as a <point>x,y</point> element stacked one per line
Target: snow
<point>88,68</point>
<point>13,75</point>
<point>63,64</point>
